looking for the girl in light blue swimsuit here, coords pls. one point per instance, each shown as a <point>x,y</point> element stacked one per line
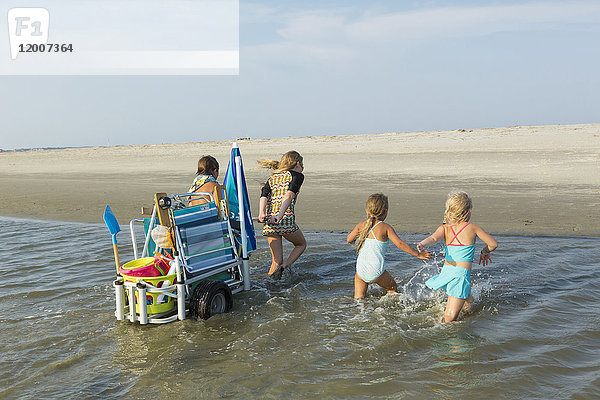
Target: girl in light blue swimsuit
<point>372,240</point>
<point>455,277</point>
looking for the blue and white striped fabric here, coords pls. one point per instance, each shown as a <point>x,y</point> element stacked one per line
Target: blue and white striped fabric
<point>205,238</point>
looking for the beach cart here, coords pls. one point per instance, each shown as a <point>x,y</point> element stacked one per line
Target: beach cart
<point>194,257</point>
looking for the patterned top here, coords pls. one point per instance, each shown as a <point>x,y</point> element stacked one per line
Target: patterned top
<point>196,185</point>
<point>277,186</point>
<point>201,180</point>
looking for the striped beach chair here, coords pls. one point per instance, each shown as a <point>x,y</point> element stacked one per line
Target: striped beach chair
<point>206,243</point>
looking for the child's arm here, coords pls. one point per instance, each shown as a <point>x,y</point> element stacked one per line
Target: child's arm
<point>433,239</point>
<point>490,242</point>
<point>354,234</point>
<point>262,209</point>
<point>285,204</point>
<point>402,245</point>
<point>265,193</point>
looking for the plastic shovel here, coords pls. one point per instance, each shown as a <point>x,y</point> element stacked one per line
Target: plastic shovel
<point>113,228</point>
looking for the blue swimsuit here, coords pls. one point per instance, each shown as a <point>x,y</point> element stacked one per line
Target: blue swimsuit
<point>455,280</point>
<point>370,263</point>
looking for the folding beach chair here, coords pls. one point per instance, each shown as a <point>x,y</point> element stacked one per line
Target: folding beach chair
<point>206,243</point>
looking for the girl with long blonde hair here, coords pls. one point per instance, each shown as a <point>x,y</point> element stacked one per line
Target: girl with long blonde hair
<point>459,238</point>
<point>372,238</point>
<point>276,209</point>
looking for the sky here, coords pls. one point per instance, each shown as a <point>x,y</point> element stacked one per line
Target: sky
<point>311,68</point>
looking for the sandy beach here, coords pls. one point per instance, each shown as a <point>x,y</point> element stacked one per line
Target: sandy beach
<point>525,180</point>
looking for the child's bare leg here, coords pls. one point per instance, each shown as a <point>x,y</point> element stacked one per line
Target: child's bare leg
<point>276,247</point>
<point>387,282</point>
<point>360,287</point>
<point>467,307</point>
<point>453,307</point>
<point>299,242</point>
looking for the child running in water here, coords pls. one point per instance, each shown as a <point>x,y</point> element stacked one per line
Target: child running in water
<point>459,237</point>
<point>372,239</point>
<point>276,210</point>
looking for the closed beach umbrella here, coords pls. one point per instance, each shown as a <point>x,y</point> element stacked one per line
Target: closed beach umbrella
<point>230,183</point>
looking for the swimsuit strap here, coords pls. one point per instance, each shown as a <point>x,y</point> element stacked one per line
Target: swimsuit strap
<point>372,230</point>
<point>456,234</point>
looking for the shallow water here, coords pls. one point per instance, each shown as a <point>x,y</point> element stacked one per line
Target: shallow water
<point>534,332</point>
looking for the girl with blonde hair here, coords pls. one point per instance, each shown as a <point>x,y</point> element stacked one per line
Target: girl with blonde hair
<point>276,209</point>
<point>372,239</point>
<point>459,238</point>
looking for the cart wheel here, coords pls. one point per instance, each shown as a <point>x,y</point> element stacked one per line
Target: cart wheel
<point>210,298</point>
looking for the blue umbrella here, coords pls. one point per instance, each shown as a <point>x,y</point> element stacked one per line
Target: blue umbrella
<point>230,183</point>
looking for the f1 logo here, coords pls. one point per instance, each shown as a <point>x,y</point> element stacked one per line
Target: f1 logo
<point>27,26</point>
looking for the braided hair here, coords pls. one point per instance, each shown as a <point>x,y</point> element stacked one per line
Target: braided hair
<point>376,208</point>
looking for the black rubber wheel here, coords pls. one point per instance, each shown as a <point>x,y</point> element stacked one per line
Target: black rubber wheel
<point>210,298</point>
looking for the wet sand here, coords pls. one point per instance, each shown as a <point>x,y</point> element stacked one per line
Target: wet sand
<point>524,180</point>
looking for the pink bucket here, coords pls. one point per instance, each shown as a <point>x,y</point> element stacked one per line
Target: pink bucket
<point>145,267</point>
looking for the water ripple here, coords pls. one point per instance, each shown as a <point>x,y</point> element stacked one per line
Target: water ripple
<point>533,332</point>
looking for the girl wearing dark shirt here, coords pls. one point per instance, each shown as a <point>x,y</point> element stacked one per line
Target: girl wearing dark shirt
<point>276,209</point>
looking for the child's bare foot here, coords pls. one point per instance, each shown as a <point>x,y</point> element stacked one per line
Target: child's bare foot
<point>276,272</point>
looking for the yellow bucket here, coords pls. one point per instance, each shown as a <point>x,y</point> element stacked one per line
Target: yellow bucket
<point>155,302</point>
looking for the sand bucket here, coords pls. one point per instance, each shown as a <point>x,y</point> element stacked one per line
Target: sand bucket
<point>151,270</point>
<point>146,267</point>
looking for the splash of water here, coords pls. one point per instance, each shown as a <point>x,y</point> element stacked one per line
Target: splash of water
<point>415,289</point>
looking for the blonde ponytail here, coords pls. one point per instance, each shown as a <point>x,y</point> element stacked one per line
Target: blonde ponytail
<point>269,164</point>
<point>376,208</point>
<point>288,161</point>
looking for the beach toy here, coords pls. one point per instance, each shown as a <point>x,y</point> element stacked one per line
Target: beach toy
<point>155,302</point>
<point>167,260</point>
<point>113,228</point>
<point>153,271</point>
<point>162,237</point>
<point>145,267</point>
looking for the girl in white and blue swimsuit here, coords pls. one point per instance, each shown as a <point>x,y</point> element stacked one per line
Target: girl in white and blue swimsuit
<point>372,240</point>
<point>455,277</point>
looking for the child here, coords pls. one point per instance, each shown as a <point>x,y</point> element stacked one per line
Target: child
<point>459,237</point>
<point>373,240</point>
<point>276,209</point>
<point>206,179</point>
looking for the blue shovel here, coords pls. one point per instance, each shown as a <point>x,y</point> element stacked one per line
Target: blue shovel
<point>113,228</point>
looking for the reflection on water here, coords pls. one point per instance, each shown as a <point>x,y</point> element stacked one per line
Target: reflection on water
<point>454,365</point>
<point>454,351</point>
<point>533,332</point>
